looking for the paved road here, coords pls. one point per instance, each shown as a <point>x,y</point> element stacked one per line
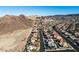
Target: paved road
<point>41,41</point>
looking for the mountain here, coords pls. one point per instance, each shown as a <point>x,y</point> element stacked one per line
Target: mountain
<point>62,17</point>
<point>10,23</point>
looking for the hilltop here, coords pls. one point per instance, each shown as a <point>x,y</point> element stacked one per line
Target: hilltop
<point>10,23</point>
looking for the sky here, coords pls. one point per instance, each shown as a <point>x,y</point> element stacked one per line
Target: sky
<point>38,10</point>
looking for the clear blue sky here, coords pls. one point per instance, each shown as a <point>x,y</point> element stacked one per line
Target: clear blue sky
<point>38,10</point>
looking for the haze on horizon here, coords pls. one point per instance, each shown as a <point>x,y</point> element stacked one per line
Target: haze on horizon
<point>38,10</point>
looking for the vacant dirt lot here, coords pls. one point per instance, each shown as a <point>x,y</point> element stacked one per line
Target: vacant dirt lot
<point>14,41</point>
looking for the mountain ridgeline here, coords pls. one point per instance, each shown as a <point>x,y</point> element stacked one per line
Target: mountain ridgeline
<point>10,23</point>
<point>70,17</point>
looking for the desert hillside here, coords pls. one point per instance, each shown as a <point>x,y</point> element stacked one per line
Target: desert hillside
<point>8,24</point>
<point>14,32</point>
